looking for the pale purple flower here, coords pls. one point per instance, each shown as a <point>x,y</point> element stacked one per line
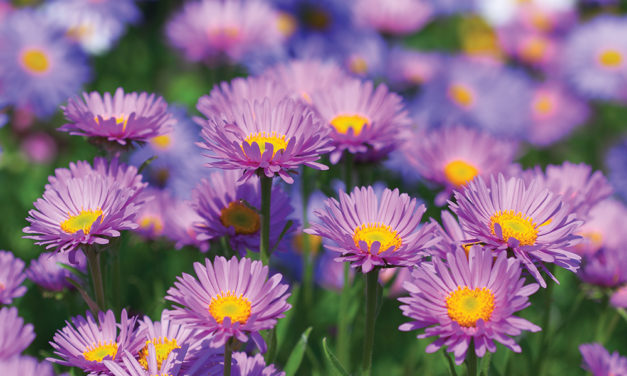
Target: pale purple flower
<point>605,227</point>
<point>619,297</point>
<point>15,337</point>
<point>598,361</point>
<point>11,277</point>
<point>244,365</point>
<point>25,366</point>
<point>397,17</point>
<point>46,272</point>
<point>231,298</point>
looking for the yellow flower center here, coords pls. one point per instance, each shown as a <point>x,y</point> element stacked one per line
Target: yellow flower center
<point>151,221</point>
<point>277,140</point>
<point>286,23</point>
<point>358,65</point>
<point>610,58</point>
<point>243,219</point>
<point>228,33</point>
<point>459,172</point>
<point>342,123</point>
<point>120,119</point>
<point>543,105</point>
<point>162,142</point>
<point>515,226</point>
<point>377,232</point>
<point>229,305</point>
<point>592,241</point>
<point>82,221</point>
<point>97,352</point>
<point>534,49</point>
<point>163,348</point>
<point>35,61</point>
<point>462,95</point>
<point>466,306</point>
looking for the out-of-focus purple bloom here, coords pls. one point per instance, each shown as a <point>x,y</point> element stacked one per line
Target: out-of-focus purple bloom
<point>397,17</point>
<point>373,232</point>
<point>241,300</point>
<point>598,361</point>
<point>121,118</point>
<point>16,336</point>
<point>533,48</point>
<point>11,277</point>
<point>244,365</point>
<point>527,219</point>
<point>47,273</point>
<point>361,53</point>
<point>39,67</point>
<point>25,366</point>
<point>607,267</point>
<point>616,160</point>
<point>86,344</point>
<point>40,147</point>
<point>470,297</point>
<point>406,67</point>
<point>619,298</point>
<point>605,227</point>
<point>180,219</point>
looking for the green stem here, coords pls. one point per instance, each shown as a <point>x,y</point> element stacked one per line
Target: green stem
<point>348,171</point>
<point>264,244</point>
<point>471,360</point>
<point>228,356</point>
<point>372,280</point>
<point>307,251</point>
<point>343,338</point>
<point>544,334</point>
<point>93,260</point>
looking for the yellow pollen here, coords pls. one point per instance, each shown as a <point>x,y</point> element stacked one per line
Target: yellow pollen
<point>35,61</point>
<point>461,95</point>
<point>243,219</point>
<point>534,49</point>
<point>277,140</point>
<point>97,352</point>
<point>120,119</point>
<point>543,105</point>
<point>467,247</point>
<point>229,305</point>
<point>2,286</point>
<point>358,65</point>
<point>516,226</point>
<point>230,33</point>
<point>82,221</point>
<point>466,306</point>
<point>610,58</point>
<point>377,232</point>
<point>163,348</point>
<point>342,123</point>
<point>313,241</point>
<point>541,21</point>
<point>459,172</point>
<point>286,23</point>
<point>150,221</point>
<point>162,142</point>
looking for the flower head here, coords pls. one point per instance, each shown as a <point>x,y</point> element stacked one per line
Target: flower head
<point>47,273</point>
<point>244,365</point>
<point>25,366</point>
<point>11,277</point>
<point>605,227</point>
<point>121,118</point>
<point>369,231</point>
<point>231,298</point>
<point>598,361</point>
<point>529,220</point>
<point>397,17</point>
<point>16,336</point>
<point>470,297</point>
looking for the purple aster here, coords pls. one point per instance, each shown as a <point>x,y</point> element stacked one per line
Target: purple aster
<point>86,344</point>
<point>605,227</point>
<point>180,218</point>
<point>616,160</point>
<point>407,67</point>
<point>228,208</point>
<point>606,267</point>
<point>15,336</point>
<point>360,52</point>
<point>362,118</point>
<point>594,61</point>
<point>210,31</point>
<point>453,156</point>
<point>82,205</point>
<point>244,365</point>
<point>11,277</point>
<point>370,232</point>
<point>39,147</point>
<point>598,361</point>
<point>121,118</point>
<point>527,219</point>
<point>470,297</point>
<point>150,219</point>
<point>25,366</point>
<point>267,138</point>
<point>124,11</point>
<point>619,297</point>
<point>396,17</point>
<point>39,67</point>
<point>47,273</point>
<point>555,112</point>
<point>534,48</point>
<point>231,298</point>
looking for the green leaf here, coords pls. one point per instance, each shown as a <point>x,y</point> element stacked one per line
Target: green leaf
<point>337,366</point>
<point>485,364</point>
<point>146,163</point>
<point>283,325</point>
<point>296,357</point>
<point>72,269</point>
<point>451,365</point>
<point>285,230</point>
<point>90,302</point>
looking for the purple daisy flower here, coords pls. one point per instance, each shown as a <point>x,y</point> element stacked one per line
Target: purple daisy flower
<point>274,140</point>
<point>25,366</point>
<point>228,208</point>
<point>598,361</point>
<point>241,299</point>
<point>180,219</point>
<point>86,344</point>
<point>616,160</point>
<point>16,336</point>
<point>594,61</point>
<point>362,118</point>
<point>150,219</point>
<point>370,232</point>
<point>244,365</point>
<point>408,67</point>
<point>121,118</point>
<point>619,298</point>
<point>555,112</point>
<point>397,18</point>
<point>534,48</point>
<point>85,206</point>
<point>528,220</point>
<point>607,267</point>
<point>11,277</point>
<point>39,67</point>
<point>209,30</point>
<point>468,298</point>
<point>47,273</point>
<point>453,156</point>
<point>605,227</point>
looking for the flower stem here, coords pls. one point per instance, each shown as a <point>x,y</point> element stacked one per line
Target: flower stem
<point>348,171</point>
<point>228,356</point>
<point>307,251</point>
<point>372,280</point>
<point>471,360</point>
<point>93,260</point>
<point>264,244</point>
<point>546,320</point>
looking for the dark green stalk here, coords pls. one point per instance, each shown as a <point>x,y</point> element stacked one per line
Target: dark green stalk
<point>307,251</point>
<point>264,244</point>
<point>228,356</point>
<point>544,334</point>
<point>93,260</point>
<point>372,280</point>
<point>471,360</point>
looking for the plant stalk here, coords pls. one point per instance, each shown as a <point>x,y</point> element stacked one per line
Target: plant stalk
<point>264,244</point>
<point>372,280</point>
<point>93,260</point>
